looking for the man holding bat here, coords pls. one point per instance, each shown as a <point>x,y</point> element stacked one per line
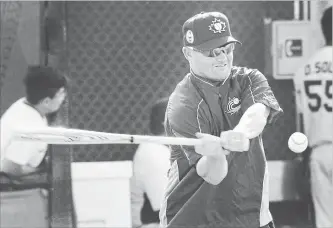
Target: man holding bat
<point>213,185</point>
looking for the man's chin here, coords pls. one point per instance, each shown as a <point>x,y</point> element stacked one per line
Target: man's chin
<point>221,75</point>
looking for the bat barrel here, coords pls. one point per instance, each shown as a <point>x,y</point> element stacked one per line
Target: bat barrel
<point>60,136</point>
<point>232,141</point>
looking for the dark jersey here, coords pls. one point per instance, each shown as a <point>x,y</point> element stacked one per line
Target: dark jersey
<point>197,105</point>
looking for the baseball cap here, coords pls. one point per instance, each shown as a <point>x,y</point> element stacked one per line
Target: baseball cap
<point>207,30</point>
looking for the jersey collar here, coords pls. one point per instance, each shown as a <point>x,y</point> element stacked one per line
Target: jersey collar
<point>207,84</point>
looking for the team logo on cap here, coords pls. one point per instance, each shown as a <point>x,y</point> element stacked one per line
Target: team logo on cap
<point>233,105</point>
<point>217,26</point>
<point>189,36</point>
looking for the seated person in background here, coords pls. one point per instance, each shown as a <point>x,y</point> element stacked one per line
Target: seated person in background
<point>150,166</point>
<point>45,92</point>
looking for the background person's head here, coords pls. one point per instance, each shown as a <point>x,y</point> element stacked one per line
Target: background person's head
<point>157,116</point>
<point>203,35</point>
<point>45,88</point>
<point>326,25</point>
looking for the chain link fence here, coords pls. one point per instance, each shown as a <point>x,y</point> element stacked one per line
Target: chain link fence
<point>10,17</point>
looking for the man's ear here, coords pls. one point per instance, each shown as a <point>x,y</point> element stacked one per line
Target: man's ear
<point>45,101</point>
<point>187,52</point>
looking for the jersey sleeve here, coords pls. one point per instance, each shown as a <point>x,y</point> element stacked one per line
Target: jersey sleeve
<point>149,157</point>
<point>185,121</point>
<point>137,201</point>
<point>137,185</point>
<point>257,90</point>
<point>26,153</point>
<point>156,182</point>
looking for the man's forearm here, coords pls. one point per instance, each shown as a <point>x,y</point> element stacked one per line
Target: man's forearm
<point>253,120</point>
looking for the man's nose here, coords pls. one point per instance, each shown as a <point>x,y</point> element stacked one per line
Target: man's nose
<point>221,57</point>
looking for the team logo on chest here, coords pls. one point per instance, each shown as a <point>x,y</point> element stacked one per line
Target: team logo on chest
<point>233,105</point>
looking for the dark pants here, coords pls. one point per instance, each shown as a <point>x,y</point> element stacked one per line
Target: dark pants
<point>24,202</point>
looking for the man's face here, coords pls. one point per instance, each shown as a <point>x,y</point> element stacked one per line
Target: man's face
<point>53,104</point>
<point>213,64</point>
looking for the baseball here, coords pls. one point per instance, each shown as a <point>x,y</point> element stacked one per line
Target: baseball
<point>298,142</point>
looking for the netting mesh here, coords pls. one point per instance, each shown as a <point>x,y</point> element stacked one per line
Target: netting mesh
<point>125,55</point>
<point>10,17</point>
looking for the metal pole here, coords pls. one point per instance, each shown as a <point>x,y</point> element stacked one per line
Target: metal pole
<point>66,106</point>
<point>306,10</point>
<point>296,9</point>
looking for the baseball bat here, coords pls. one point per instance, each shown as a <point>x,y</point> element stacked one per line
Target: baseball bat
<point>56,135</point>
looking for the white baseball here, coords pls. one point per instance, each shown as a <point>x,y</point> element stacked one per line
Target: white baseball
<point>298,142</point>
